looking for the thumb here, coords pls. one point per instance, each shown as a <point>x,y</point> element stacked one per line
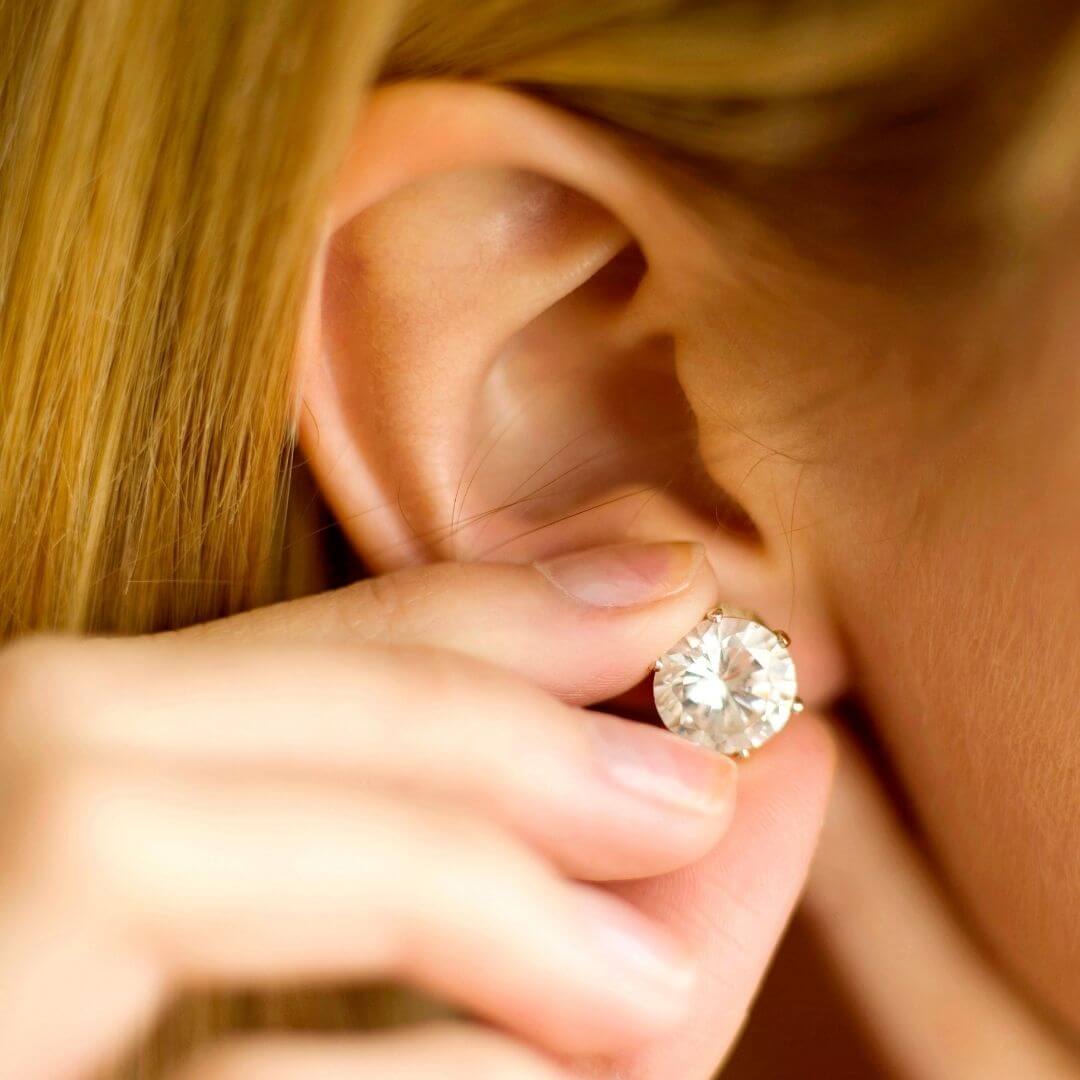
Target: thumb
<point>733,905</point>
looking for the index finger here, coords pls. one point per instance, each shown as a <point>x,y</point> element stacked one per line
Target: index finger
<point>585,627</point>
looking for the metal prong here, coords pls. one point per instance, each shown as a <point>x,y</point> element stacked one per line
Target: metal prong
<point>716,614</point>
<point>783,637</point>
<point>798,705</point>
<point>742,755</point>
<point>657,665</point>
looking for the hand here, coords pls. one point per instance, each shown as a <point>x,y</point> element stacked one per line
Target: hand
<point>395,779</point>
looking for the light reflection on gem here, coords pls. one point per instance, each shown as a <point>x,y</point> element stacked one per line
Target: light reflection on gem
<point>729,685</point>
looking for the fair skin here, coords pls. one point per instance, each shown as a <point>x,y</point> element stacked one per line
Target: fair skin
<point>462,350</point>
<point>321,790</point>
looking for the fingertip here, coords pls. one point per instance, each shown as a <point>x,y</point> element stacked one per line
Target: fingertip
<point>654,764</point>
<point>624,575</point>
<point>783,798</point>
<point>803,757</point>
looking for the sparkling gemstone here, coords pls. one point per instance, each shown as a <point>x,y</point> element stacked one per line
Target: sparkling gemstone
<point>729,684</point>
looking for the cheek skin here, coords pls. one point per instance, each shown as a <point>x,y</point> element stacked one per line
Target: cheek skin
<point>966,632</point>
<point>942,526</point>
<point>951,561</point>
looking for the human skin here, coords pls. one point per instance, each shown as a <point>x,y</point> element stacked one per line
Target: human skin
<point>941,516</point>
<point>903,447</point>
<point>324,790</point>
<point>528,338</point>
<point>931,503</point>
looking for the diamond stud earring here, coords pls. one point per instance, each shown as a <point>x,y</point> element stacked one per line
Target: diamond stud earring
<point>729,684</point>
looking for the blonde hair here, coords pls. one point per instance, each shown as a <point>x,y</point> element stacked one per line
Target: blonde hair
<point>163,176</point>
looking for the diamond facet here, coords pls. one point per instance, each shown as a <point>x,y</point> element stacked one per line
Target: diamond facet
<point>729,684</point>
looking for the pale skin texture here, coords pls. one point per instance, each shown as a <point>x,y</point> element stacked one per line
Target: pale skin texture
<point>908,459</point>
<point>445,373</point>
<point>321,790</point>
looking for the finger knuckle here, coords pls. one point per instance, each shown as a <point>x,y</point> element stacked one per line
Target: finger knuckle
<point>28,670</point>
<point>470,1053</point>
<point>408,604</point>
<point>442,676</point>
<point>452,830</point>
<point>448,1050</point>
<point>68,818</point>
<point>450,675</point>
<point>456,845</point>
<point>49,849</point>
<point>235,1059</point>
<point>390,603</point>
<point>510,1065</point>
<point>43,681</point>
<point>58,806</point>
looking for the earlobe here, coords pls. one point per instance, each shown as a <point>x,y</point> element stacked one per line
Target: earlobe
<point>490,367</point>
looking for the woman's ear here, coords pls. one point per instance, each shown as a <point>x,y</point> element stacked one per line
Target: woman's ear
<point>489,363</point>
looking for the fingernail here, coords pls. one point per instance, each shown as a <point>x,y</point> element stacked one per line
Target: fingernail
<point>623,575</point>
<point>657,765</point>
<point>634,947</point>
